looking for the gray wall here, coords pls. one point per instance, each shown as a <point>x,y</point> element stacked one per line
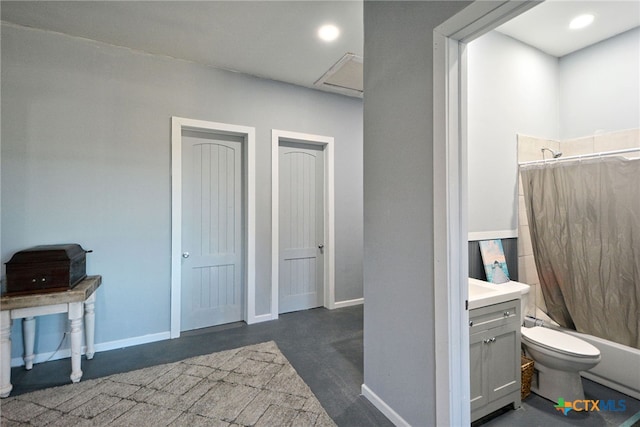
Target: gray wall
<point>398,204</point>
<point>600,87</point>
<point>86,159</point>
<point>512,88</point>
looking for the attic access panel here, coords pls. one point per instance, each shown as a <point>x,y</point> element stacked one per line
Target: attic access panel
<point>345,76</point>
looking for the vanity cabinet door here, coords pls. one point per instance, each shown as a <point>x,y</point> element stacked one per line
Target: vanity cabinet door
<point>503,361</point>
<point>478,380</point>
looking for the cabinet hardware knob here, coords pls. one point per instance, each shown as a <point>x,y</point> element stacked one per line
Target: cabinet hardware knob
<point>493,339</point>
<point>506,314</point>
<point>470,322</point>
<point>320,246</point>
<point>185,254</point>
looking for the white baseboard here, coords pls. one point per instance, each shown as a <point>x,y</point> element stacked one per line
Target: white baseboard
<point>383,407</point>
<point>45,357</point>
<point>105,346</point>
<point>348,303</point>
<point>129,342</point>
<point>262,318</point>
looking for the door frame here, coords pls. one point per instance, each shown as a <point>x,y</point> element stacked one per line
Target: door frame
<point>327,144</point>
<point>450,200</point>
<point>248,134</point>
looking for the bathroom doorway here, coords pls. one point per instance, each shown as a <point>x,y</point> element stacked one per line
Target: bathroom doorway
<point>450,199</point>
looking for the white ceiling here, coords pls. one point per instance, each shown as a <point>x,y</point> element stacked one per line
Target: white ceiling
<point>270,39</point>
<point>276,39</point>
<point>546,26</point>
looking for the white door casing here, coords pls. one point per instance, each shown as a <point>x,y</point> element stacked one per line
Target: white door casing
<point>247,134</point>
<point>301,238</point>
<point>278,136</point>
<point>450,201</point>
<point>212,243</point>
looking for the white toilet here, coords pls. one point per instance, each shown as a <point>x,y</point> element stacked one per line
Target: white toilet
<point>558,357</point>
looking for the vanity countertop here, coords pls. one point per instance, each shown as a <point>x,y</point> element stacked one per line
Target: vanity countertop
<point>482,294</point>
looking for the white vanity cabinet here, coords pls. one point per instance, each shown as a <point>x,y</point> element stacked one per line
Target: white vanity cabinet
<point>494,338</point>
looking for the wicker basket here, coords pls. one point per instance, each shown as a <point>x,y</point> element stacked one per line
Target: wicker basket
<point>526,366</point>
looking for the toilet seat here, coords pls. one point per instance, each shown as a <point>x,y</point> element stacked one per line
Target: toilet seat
<point>559,342</point>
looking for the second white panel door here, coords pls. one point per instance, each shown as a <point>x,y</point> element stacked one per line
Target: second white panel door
<point>301,227</point>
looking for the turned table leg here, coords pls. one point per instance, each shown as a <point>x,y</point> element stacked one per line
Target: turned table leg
<point>75,318</point>
<point>5,353</point>
<point>90,325</point>
<point>28,339</point>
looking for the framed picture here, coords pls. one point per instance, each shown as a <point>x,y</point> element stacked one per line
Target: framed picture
<point>495,264</point>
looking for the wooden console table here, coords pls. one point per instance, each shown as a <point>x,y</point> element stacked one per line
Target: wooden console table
<point>76,302</point>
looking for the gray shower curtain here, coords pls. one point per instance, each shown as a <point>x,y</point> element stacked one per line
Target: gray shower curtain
<point>584,218</point>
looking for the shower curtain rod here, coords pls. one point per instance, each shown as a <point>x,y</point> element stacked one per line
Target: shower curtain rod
<point>582,156</point>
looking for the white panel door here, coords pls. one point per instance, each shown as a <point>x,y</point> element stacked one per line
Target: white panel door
<point>212,263</point>
<point>301,212</point>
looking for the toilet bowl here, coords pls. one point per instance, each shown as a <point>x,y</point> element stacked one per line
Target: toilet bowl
<point>558,358</point>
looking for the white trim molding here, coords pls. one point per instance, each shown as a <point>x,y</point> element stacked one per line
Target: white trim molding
<point>178,124</point>
<point>381,405</point>
<point>450,260</point>
<point>348,303</point>
<point>327,142</point>
<point>490,235</point>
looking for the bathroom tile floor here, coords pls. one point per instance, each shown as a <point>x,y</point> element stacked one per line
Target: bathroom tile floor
<point>537,411</point>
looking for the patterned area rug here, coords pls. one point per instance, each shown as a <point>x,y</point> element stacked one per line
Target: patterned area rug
<point>249,386</point>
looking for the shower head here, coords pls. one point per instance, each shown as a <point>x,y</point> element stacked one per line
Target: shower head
<point>554,153</point>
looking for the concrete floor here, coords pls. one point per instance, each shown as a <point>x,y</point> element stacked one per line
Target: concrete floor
<point>325,348</point>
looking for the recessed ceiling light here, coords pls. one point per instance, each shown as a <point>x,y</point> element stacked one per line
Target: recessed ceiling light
<point>581,21</point>
<point>328,32</point>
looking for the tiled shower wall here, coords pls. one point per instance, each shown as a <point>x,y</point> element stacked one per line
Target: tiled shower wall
<point>529,149</point>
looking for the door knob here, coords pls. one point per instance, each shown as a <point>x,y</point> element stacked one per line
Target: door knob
<point>185,254</point>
